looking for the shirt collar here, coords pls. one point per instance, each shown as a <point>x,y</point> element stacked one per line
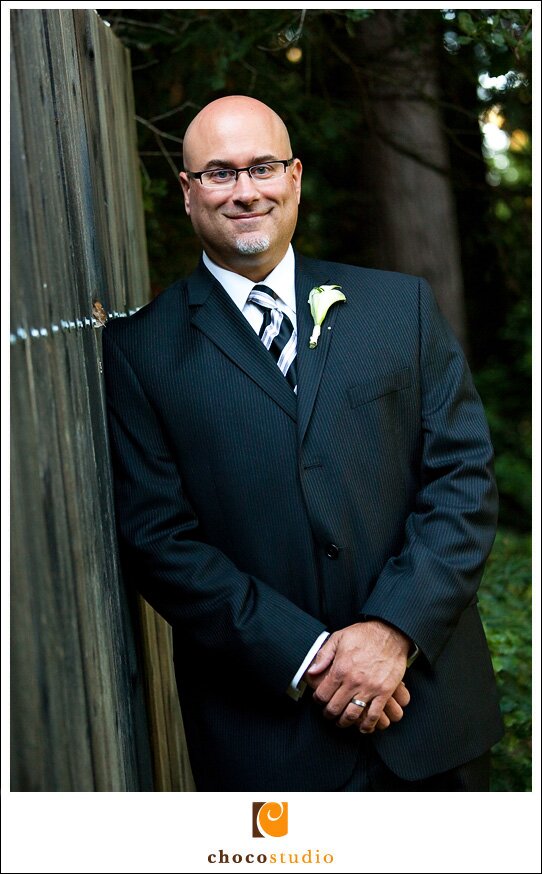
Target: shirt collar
<point>281,280</point>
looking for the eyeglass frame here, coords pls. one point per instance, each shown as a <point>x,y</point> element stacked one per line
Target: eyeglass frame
<point>198,174</point>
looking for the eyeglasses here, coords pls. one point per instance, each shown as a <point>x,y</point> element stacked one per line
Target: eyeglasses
<point>226,177</point>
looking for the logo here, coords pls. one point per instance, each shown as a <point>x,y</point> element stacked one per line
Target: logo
<point>269,819</point>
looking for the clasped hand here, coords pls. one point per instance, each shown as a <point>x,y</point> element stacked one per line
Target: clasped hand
<point>366,660</point>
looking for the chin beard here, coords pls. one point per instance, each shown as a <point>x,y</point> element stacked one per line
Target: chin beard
<point>253,244</point>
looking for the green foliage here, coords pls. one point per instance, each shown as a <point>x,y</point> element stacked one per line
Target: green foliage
<point>504,388</point>
<point>505,606</point>
<point>498,30</point>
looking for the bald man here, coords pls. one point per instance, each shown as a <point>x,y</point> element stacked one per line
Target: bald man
<point>246,230</point>
<point>312,518</point>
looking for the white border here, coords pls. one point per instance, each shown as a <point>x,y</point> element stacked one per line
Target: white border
<point>148,832</point>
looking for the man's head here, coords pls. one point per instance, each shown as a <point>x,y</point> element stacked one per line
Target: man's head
<point>245,227</point>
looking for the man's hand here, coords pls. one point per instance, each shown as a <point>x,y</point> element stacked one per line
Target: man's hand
<point>366,661</point>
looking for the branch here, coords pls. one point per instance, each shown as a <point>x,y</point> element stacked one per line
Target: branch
<point>167,156</point>
<point>173,111</point>
<point>286,40</point>
<point>151,25</point>
<point>158,132</point>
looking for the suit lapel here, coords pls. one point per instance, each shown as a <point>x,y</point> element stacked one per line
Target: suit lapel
<point>310,362</point>
<point>214,313</point>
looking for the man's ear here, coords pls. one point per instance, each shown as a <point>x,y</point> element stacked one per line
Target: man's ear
<point>185,185</point>
<point>297,171</point>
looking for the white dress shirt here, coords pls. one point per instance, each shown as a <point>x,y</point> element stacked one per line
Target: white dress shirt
<point>282,281</point>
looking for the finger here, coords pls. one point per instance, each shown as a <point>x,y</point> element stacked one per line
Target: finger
<point>371,715</point>
<point>324,657</point>
<point>402,695</point>
<point>337,703</point>
<point>350,715</point>
<point>314,681</point>
<point>383,722</point>
<point>324,692</point>
<point>393,711</point>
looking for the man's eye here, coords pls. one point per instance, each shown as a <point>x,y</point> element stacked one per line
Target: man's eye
<point>221,175</point>
<point>262,170</point>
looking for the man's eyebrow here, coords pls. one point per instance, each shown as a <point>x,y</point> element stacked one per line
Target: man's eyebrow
<point>230,165</point>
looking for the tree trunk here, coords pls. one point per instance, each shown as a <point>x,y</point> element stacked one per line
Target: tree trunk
<point>411,222</point>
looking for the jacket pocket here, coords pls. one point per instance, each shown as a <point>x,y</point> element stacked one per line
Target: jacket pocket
<point>381,385</point>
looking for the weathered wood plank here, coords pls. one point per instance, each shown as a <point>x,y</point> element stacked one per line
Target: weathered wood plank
<point>78,710</point>
<point>171,763</point>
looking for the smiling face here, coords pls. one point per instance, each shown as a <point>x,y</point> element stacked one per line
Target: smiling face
<point>246,228</point>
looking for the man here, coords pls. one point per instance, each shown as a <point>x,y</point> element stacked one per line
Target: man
<point>303,516</point>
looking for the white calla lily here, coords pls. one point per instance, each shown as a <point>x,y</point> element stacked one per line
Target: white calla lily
<point>320,300</point>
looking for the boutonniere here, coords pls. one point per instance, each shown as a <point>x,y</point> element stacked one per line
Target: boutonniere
<point>320,300</point>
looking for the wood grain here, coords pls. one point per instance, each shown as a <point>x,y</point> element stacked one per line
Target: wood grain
<point>93,700</point>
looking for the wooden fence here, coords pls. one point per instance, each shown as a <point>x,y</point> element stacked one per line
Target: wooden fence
<point>93,702</point>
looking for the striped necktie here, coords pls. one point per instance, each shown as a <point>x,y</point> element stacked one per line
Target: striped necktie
<point>277,332</point>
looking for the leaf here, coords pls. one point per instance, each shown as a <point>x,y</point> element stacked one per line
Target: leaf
<point>497,38</point>
<point>466,23</point>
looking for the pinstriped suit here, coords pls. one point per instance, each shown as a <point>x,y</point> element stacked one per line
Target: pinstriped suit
<point>230,493</point>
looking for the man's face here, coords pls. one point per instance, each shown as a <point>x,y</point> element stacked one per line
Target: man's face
<point>245,228</point>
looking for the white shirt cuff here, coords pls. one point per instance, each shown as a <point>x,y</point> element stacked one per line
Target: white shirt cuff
<point>297,685</point>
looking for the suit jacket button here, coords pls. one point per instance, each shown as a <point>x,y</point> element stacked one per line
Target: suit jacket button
<point>332,551</point>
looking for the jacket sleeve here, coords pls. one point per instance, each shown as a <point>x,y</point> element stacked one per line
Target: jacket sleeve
<point>233,616</point>
<point>425,588</point>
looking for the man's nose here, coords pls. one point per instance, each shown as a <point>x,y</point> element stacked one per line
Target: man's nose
<point>245,188</point>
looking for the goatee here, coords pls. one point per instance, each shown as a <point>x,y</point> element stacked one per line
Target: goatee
<point>253,244</point>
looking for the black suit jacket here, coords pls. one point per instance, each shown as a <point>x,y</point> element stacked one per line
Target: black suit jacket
<point>253,520</point>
